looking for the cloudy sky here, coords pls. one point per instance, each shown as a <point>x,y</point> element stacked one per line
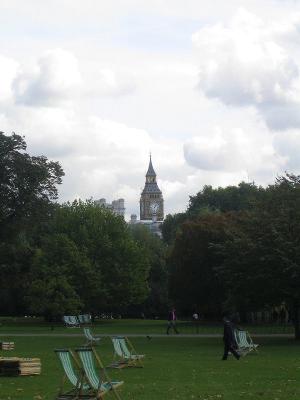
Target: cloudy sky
<point>212,89</point>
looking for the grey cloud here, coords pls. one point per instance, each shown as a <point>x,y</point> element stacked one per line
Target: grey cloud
<point>55,78</point>
<point>201,158</point>
<point>247,63</point>
<point>281,116</point>
<point>287,144</point>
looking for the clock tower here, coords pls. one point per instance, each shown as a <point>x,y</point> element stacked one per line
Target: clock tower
<point>151,202</point>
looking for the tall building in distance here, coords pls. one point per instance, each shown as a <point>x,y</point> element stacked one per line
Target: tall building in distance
<point>116,206</point>
<point>151,201</point>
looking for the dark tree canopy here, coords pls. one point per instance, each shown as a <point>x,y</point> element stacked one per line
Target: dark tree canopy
<point>27,184</point>
<point>193,279</point>
<point>262,258</point>
<point>154,250</point>
<point>230,198</point>
<point>90,253</point>
<point>27,190</point>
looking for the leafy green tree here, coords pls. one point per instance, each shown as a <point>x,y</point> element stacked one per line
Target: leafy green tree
<point>15,263</point>
<point>171,225</point>
<point>154,250</point>
<point>230,198</point>
<point>27,186</point>
<point>92,252</point>
<point>56,267</point>
<point>192,263</point>
<point>27,191</point>
<point>262,257</point>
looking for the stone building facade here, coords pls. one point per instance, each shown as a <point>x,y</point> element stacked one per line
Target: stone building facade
<point>116,206</point>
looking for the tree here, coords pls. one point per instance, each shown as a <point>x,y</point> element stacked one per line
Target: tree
<point>154,250</point>
<point>27,185</point>
<point>92,252</point>
<point>171,225</point>
<point>192,263</point>
<point>27,191</point>
<point>230,198</point>
<point>261,259</point>
<point>56,267</point>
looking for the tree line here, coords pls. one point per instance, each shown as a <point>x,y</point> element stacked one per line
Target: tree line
<point>235,249</point>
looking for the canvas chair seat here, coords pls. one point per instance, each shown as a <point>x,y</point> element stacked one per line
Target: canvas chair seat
<point>71,321</point>
<point>75,378</point>
<point>91,339</point>
<point>244,341</point>
<point>85,318</point>
<point>125,354</point>
<point>87,357</point>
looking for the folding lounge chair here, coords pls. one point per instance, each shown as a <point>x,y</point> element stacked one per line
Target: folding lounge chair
<point>124,356</point>
<point>77,379</point>
<point>85,318</point>
<point>98,387</point>
<point>71,321</point>
<point>91,340</point>
<point>244,341</point>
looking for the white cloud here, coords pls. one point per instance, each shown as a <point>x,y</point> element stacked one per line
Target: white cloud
<point>107,82</point>
<point>288,145</point>
<point>54,79</point>
<point>8,70</point>
<point>248,62</point>
<point>233,151</point>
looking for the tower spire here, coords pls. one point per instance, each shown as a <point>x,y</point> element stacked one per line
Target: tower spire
<point>150,171</point>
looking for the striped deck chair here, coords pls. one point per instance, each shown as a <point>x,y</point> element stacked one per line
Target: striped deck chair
<point>71,321</point>
<point>91,340</point>
<point>244,341</point>
<point>76,378</point>
<point>125,354</point>
<point>99,388</point>
<point>85,318</point>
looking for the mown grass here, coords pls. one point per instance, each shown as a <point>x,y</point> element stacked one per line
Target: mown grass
<point>175,368</point>
<point>126,326</point>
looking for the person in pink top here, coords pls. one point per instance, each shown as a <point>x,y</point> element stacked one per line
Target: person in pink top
<point>172,321</point>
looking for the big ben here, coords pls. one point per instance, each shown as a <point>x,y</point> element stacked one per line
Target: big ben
<point>151,202</point>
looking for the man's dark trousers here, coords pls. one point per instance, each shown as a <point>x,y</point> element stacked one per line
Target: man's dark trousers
<point>172,324</point>
<point>228,347</point>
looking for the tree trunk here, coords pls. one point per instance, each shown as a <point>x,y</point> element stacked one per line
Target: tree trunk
<point>296,319</point>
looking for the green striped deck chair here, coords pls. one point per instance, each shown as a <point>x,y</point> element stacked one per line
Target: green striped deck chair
<point>87,357</point>
<point>125,354</point>
<point>244,341</point>
<point>75,377</point>
<point>85,318</point>
<point>71,321</point>
<point>91,340</point>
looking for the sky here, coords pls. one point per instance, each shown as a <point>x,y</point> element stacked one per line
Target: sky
<point>211,89</point>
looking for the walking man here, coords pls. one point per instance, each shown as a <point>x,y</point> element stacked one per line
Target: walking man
<point>172,321</point>
<point>230,344</point>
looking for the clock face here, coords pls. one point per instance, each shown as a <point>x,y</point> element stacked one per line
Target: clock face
<point>154,207</point>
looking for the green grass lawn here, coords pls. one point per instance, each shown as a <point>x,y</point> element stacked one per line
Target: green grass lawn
<point>175,368</point>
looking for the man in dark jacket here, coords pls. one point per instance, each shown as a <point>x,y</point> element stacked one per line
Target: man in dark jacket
<point>172,321</point>
<point>230,344</point>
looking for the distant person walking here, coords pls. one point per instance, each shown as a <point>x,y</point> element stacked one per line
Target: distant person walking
<point>230,344</point>
<point>172,321</point>
<point>196,321</point>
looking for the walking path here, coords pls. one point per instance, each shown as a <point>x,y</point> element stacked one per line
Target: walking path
<point>150,335</point>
